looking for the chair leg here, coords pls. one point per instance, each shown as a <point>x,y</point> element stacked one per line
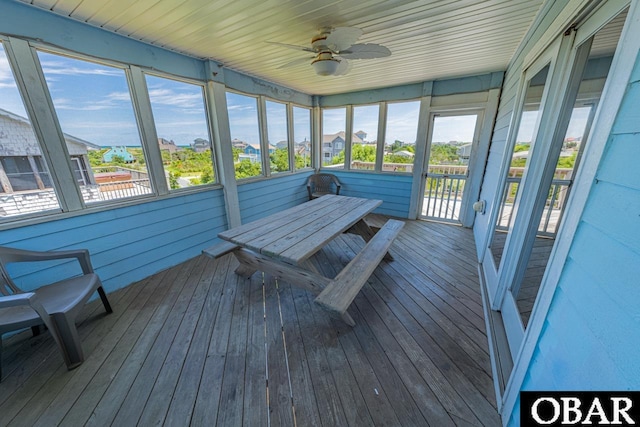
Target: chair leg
<point>105,301</point>
<point>68,333</point>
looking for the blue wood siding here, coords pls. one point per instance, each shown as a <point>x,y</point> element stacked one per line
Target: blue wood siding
<point>261,198</point>
<point>265,197</point>
<point>393,190</point>
<point>593,326</point>
<point>126,244</point>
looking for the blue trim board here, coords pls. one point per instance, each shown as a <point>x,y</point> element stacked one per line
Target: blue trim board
<point>443,87</point>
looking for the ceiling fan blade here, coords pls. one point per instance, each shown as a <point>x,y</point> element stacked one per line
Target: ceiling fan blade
<point>366,51</point>
<point>341,38</point>
<point>295,62</point>
<point>292,46</point>
<point>343,67</point>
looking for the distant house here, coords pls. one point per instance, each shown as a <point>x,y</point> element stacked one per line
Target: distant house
<point>200,145</point>
<point>167,145</point>
<point>303,148</point>
<point>252,149</point>
<point>404,153</point>
<point>22,167</point>
<point>281,145</point>
<point>464,151</point>
<point>361,134</point>
<point>236,143</point>
<point>252,152</point>
<point>333,144</point>
<point>120,151</point>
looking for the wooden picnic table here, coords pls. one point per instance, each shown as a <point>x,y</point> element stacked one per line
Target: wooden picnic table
<point>282,243</point>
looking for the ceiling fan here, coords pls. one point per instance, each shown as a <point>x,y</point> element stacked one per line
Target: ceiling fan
<point>333,47</point>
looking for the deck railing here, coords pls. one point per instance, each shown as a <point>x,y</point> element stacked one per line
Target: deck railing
<point>554,206</point>
<point>123,189</point>
<point>443,191</point>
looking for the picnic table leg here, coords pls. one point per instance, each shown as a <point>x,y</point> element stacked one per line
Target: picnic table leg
<point>294,275</point>
<point>362,229</point>
<point>244,270</point>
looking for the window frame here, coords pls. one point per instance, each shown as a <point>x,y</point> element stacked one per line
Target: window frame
<point>205,100</point>
<point>134,90</point>
<point>381,136</point>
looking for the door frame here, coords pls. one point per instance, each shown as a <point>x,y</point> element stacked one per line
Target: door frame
<point>492,272</point>
<point>466,211</point>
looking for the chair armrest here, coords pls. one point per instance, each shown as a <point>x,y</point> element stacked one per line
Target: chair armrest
<point>337,184</point>
<point>22,255</point>
<point>17,299</point>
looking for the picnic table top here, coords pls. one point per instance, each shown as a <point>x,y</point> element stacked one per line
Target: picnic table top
<point>294,234</point>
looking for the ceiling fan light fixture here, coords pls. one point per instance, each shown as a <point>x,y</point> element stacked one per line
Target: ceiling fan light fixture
<point>325,65</point>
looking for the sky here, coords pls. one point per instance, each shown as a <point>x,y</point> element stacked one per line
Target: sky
<point>93,103</point>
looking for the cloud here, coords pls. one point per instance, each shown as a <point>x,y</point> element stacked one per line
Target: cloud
<point>172,98</point>
<point>66,68</point>
<point>5,71</point>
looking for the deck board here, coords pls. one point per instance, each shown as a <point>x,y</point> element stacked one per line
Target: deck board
<point>196,344</point>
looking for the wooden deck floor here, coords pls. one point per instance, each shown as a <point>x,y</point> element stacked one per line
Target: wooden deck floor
<point>198,345</point>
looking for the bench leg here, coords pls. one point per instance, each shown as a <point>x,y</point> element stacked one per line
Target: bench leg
<point>362,229</point>
<point>346,318</point>
<point>68,333</point>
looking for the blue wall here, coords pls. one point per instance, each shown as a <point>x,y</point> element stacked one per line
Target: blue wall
<point>126,244</point>
<point>590,339</point>
<point>393,190</point>
<point>265,197</point>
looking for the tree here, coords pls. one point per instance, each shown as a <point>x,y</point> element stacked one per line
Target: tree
<point>363,153</point>
<point>279,160</point>
<point>396,146</point>
<point>173,180</point>
<point>95,157</point>
<point>207,176</point>
<point>443,154</point>
<point>117,160</point>
<point>247,168</point>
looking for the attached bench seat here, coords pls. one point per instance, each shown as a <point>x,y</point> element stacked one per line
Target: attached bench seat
<point>220,249</point>
<point>342,290</point>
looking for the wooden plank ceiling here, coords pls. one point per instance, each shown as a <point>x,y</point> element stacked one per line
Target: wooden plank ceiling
<point>429,39</point>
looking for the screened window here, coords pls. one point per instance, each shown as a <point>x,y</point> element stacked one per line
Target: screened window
<point>277,136</point>
<point>24,176</point>
<point>302,137</point>
<point>400,136</point>
<point>333,137</point>
<point>245,135</point>
<point>365,137</point>
<point>183,134</point>
<point>95,111</point>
